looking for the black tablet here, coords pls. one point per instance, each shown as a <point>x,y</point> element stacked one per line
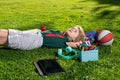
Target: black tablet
<point>48,66</point>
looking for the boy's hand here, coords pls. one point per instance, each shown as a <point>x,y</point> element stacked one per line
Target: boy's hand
<point>73,44</point>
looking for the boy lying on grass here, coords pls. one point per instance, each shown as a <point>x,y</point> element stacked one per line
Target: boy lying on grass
<point>27,40</point>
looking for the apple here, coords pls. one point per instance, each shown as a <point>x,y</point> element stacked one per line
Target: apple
<point>43,28</point>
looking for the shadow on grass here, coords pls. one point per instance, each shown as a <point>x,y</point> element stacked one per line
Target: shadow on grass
<point>7,54</point>
<point>105,9</point>
<point>111,14</point>
<point>111,2</point>
<point>104,51</point>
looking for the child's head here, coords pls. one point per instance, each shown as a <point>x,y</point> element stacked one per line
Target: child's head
<point>76,34</point>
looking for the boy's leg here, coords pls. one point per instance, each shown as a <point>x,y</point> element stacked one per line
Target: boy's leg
<point>3,37</point>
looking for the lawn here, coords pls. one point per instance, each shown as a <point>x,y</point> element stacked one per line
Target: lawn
<point>60,15</point>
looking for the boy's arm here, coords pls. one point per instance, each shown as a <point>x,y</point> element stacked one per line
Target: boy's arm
<point>73,44</point>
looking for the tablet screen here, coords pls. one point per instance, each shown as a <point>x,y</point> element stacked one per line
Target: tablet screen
<point>49,66</point>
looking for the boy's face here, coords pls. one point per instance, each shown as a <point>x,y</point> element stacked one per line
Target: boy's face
<point>73,33</point>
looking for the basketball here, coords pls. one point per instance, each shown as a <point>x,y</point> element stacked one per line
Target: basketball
<point>105,37</point>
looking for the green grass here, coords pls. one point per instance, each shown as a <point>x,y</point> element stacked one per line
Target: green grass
<point>60,15</point>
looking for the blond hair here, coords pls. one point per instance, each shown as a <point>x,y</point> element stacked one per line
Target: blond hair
<point>81,36</point>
